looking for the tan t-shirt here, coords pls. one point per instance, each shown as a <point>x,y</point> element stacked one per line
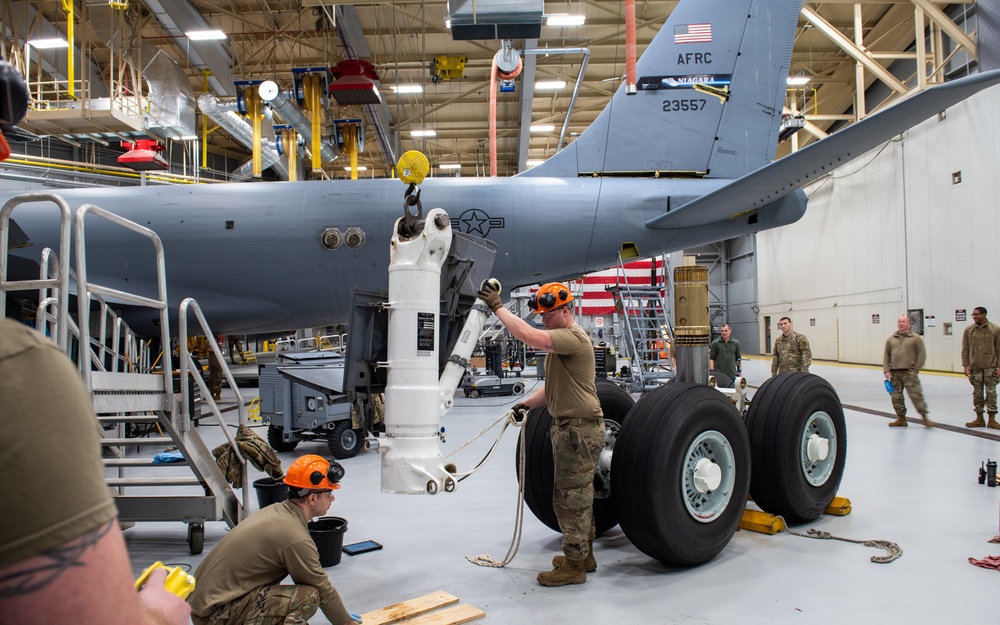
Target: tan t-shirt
<point>51,474</point>
<point>261,551</point>
<point>569,375</point>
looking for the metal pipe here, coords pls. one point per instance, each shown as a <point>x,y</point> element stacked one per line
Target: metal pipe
<point>576,88</point>
<point>241,131</point>
<point>283,103</point>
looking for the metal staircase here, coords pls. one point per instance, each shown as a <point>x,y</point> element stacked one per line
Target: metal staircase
<point>129,391</point>
<point>643,321</point>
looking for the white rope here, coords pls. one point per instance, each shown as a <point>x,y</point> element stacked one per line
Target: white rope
<point>893,551</point>
<point>486,559</point>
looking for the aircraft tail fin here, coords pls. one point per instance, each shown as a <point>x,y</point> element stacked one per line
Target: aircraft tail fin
<point>710,92</point>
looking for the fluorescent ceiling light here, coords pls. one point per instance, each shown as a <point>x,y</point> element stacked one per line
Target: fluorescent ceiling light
<point>550,85</point>
<point>565,20</point>
<point>450,166</point>
<point>423,133</point>
<point>205,35</point>
<point>407,89</point>
<point>798,80</point>
<point>534,161</point>
<point>48,44</point>
<point>360,168</point>
<point>542,128</point>
<point>188,137</point>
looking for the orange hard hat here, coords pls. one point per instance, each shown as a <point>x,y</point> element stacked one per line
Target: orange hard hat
<point>314,472</point>
<point>551,296</point>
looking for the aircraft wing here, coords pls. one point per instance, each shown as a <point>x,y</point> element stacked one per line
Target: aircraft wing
<point>777,179</point>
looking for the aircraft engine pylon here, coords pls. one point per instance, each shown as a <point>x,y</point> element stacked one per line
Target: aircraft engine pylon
<point>411,456</point>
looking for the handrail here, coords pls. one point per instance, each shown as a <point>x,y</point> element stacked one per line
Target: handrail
<point>187,365</point>
<point>86,291</point>
<point>61,281</point>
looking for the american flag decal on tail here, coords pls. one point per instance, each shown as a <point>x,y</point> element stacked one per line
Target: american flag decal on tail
<point>693,33</point>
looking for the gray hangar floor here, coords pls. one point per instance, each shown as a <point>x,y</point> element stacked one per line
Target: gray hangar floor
<point>916,487</point>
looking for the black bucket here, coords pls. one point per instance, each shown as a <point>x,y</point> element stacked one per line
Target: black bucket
<point>328,534</point>
<point>269,491</point>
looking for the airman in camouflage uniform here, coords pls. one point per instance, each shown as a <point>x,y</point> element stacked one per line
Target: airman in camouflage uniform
<point>904,357</point>
<point>791,350</point>
<point>577,432</point>
<point>981,362</point>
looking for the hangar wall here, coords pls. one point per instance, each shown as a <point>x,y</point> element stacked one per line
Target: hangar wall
<point>892,231</point>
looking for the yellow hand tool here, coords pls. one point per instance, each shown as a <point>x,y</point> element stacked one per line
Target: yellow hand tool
<point>178,581</point>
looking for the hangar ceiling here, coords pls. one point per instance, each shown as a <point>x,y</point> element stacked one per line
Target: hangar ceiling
<point>839,46</point>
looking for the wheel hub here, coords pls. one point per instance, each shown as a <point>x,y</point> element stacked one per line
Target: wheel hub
<point>602,476</point>
<point>709,473</point>
<point>818,448</point>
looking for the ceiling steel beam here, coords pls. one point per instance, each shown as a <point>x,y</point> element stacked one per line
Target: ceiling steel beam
<point>859,54</point>
<point>179,17</point>
<point>949,27</point>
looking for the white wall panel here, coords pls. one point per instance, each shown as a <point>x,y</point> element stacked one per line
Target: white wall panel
<point>889,232</point>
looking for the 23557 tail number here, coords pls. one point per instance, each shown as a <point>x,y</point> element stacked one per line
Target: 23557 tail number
<point>670,106</point>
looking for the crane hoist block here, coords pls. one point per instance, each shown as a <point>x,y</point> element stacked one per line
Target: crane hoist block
<point>447,68</point>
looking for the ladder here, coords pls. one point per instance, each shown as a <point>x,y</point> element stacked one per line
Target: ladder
<point>127,389</point>
<point>643,321</point>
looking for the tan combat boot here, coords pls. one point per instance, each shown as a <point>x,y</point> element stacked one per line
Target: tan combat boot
<point>900,422</point>
<point>570,572</point>
<point>993,425</point>
<point>978,423</point>
<point>589,563</point>
<point>927,420</point>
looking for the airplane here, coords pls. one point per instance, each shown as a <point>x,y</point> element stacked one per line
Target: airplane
<point>686,160</point>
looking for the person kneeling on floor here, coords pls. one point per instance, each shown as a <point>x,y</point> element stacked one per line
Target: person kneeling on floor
<point>238,581</point>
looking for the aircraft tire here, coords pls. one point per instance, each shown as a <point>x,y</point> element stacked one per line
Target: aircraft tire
<point>538,484</point>
<point>274,439</point>
<point>660,460</point>
<point>344,442</point>
<point>786,416</point>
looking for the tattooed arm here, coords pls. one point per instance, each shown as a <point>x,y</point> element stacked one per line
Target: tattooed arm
<point>87,581</point>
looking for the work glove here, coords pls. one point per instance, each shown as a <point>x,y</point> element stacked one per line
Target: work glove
<point>355,617</point>
<point>490,296</point>
<point>518,413</point>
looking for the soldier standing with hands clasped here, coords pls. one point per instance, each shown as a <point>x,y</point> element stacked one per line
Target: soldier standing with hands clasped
<point>791,350</point>
<point>904,357</point>
<point>981,362</point>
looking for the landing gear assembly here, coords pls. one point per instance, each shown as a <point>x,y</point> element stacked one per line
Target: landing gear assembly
<point>676,470</point>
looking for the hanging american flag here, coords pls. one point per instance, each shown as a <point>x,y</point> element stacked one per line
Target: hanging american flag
<point>597,301</point>
<point>693,33</point>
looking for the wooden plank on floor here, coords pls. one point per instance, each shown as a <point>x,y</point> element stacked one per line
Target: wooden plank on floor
<point>407,609</point>
<point>455,615</point>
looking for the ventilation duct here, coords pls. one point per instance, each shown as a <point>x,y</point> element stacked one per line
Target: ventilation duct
<point>495,19</point>
<point>171,112</point>
<point>283,103</point>
<point>222,114</point>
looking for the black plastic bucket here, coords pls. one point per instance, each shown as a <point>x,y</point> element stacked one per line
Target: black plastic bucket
<point>328,534</point>
<point>269,491</point>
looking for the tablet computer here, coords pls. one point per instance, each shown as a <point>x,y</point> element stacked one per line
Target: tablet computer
<point>363,547</point>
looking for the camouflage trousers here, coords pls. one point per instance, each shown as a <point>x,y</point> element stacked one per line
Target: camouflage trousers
<point>904,378</point>
<point>267,605</point>
<point>215,380</point>
<point>984,390</point>
<point>575,450</point>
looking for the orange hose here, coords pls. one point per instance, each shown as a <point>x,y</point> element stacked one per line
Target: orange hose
<point>630,45</point>
<point>493,118</point>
